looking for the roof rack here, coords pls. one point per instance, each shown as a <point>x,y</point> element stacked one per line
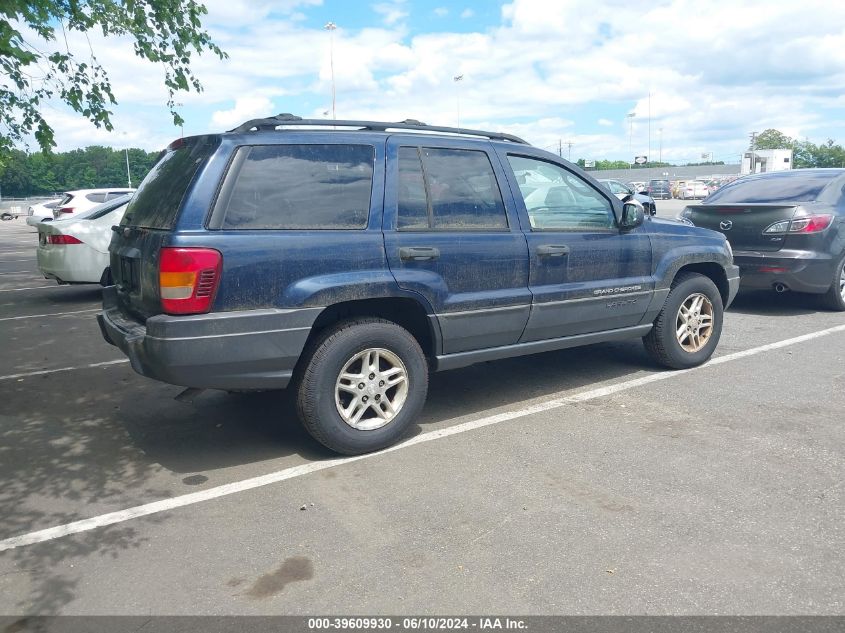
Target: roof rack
<point>287,119</point>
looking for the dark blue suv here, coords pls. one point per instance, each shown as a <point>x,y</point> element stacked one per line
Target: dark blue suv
<point>347,259</point>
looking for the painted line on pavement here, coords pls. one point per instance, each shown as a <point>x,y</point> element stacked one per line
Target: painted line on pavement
<point>43,372</point>
<point>33,288</point>
<point>181,501</point>
<point>51,314</point>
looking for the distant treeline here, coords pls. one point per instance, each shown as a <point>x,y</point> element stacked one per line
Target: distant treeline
<point>23,174</point>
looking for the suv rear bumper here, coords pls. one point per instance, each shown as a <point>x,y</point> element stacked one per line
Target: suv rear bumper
<point>801,271</point>
<point>243,350</point>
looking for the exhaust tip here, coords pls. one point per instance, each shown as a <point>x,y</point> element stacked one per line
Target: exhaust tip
<point>780,288</point>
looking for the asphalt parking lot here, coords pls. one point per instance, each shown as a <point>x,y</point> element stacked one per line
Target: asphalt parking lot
<point>585,481</point>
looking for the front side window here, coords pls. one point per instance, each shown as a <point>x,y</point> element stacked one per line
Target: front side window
<point>557,200</point>
<point>300,187</point>
<point>448,189</point>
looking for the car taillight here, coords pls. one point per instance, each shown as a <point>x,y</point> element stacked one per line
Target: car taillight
<point>63,239</point>
<point>805,224</point>
<point>62,210</point>
<point>188,279</point>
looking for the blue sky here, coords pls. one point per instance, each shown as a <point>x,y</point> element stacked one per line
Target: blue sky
<point>551,71</point>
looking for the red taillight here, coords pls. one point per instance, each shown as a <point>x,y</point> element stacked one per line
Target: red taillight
<point>811,223</point>
<point>772,269</point>
<point>62,210</point>
<point>63,239</point>
<point>179,142</point>
<point>188,279</point>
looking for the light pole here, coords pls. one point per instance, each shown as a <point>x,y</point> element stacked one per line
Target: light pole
<point>648,155</point>
<point>331,27</point>
<point>458,79</point>
<point>630,116</point>
<point>126,154</point>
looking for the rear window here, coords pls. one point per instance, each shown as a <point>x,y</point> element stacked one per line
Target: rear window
<point>300,187</point>
<point>100,210</point>
<point>793,187</point>
<point>658,182</point>
<point>156,203</point>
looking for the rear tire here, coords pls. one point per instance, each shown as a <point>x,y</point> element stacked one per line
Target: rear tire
<point>834,298</point>
<point>687,330</point>
<point>364,384</point>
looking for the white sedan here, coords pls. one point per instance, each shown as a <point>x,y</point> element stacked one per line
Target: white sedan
<point>694,190</point>
<point>76,250</point>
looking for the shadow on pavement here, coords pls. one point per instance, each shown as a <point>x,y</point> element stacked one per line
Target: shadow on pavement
<point>770,303</point>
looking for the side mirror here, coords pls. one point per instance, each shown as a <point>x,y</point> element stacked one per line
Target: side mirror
<point>633,215</point>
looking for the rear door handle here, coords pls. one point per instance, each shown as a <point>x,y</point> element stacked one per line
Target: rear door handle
<point>552,250</point>
<point>418,253</point>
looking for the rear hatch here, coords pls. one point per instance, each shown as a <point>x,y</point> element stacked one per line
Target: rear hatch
<point>149,221</point>
<point>743,224</point>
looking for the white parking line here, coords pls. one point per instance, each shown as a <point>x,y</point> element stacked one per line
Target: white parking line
<point>61,369</point>
<point>50,314</point>
<point>165,505</point>
<point>33,288</point>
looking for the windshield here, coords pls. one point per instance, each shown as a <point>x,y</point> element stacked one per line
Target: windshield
<point>792,187</point>
<point>100,210</point>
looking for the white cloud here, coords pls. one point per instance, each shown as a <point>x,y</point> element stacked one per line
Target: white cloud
<point>391,12</point>
<point>441,12</point>
<point>245,108</point>
<point>467,13</point>
<point>740,69</point>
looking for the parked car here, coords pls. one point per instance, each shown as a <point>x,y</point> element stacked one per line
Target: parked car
<point>637,186</point>
<point>76,250</point>
<point>41,211</point>
<point>659,189</point>
<point>623,191</point>
<point>693,190</point>
<point>74,202</point>
<point>349,262</point>
<point>787,230</point>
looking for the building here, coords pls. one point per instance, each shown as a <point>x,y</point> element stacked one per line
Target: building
<point>760,161</point>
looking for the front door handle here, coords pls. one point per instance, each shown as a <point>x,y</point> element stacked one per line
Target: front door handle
<point>552,250</point>
<point>418,253</point>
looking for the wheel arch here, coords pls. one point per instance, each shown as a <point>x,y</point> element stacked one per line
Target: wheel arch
<point>403,311</point>
<point>713,271</point>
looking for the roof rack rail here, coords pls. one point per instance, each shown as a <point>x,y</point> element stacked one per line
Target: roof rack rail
<point>287,119</point>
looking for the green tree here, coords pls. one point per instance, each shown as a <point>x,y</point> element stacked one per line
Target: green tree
<point>773,139</point>
<point>166,32</point>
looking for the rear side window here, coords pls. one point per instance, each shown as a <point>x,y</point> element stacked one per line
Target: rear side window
<point>300,187</point>
<point>448,189</point>
<point>792,187</point>
<point>96,197</point>
<point>158,199</point>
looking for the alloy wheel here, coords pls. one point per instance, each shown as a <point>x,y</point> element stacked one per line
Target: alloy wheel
<point>694,325</point>
<point>371,389</point>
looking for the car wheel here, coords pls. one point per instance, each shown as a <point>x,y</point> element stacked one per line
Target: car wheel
<point>688,328</point>
<point>364,383</point>
<point>6,216</point>
<point>834,298</point>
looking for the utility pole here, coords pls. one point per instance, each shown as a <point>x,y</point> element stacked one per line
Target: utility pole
<point>128,175</point>
<point>331,27</point>
<point>753,136</point>
<point>560,147</point>
<point>569,145</point>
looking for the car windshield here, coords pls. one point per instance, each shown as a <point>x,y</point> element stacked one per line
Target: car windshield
<point>105,208</point>
<point>792,187</point>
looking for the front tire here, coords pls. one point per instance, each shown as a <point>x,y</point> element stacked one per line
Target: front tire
<point>834,298</point>
<point>687,330</point>
<point>364,384</point>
